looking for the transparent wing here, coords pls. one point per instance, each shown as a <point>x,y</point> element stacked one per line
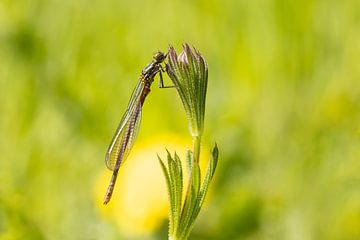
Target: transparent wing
<point>127,130</point>
<point>135,126</point>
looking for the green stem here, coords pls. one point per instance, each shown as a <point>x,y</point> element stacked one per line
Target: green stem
<point>196,148</point>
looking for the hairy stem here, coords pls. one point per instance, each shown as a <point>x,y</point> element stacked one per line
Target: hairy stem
<point>196,149</point>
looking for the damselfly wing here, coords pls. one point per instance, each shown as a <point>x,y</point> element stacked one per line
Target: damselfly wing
<point>129,124</point>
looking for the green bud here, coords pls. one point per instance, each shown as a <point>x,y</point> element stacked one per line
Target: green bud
<point>189,73</point>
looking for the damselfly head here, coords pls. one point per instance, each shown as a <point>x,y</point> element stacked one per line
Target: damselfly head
<point>159,57</point>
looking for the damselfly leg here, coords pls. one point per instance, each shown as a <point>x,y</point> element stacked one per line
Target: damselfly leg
<point>161,80</point>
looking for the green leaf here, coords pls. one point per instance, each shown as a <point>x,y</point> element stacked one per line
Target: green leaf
<point>175,170</point>
<point>212,164</point>
<point>174,178</point>
<point>179,183</point>
<point>189,160</point>
<point>170,194</point>
<point>190,201</point>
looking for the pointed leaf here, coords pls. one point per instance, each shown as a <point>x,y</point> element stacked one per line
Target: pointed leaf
<point>170,194</point>
<point>212,164</point>
<point>191,200</point>
<point>179,183</point>
<point>189,160</point>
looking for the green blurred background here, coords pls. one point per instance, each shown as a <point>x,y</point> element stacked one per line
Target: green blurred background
<point>283,105</point>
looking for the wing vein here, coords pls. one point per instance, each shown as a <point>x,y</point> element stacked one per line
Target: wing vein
<point>124,135</point>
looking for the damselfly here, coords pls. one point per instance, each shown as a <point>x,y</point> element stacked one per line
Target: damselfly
<point>128,128</point>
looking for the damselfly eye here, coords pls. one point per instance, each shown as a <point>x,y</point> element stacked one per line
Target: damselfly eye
<point>159,57</point>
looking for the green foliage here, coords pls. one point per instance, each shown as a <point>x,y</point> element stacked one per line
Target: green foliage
<point>182,215</point>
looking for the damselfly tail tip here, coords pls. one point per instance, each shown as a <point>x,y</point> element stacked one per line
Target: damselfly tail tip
<point>107,198</point>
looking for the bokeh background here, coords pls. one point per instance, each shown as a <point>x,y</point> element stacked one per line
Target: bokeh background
<point>283,105</point>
